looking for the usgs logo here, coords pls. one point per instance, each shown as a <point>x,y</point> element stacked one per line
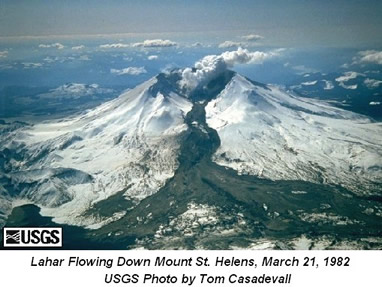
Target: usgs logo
<point>32,236</point>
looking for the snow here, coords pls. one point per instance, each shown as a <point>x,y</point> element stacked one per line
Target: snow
<point>104,221</point>
<point>131,144</point>
<point>187,223</point>
<point>200,222</point>
<point>298,192</point>
<point>275,134</point>
<point>327,218</point>
<point>261,245</point>
<point>302,243</point>
<point>128,143</point>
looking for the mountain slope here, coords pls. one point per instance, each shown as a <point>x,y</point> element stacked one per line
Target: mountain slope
<point>271,133</point>
<point>126,144</point>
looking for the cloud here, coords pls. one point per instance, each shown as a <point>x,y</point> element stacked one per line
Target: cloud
<point>197,44</point>
<point>370,56</point>
<point>3,54</point>
<point>31,65</point>
<point>348,87</point>
<point>54,45</point>
<point>212,65</point>
<point>312,83</point>
<point>114,46</point>
<point>51,60</point>
<point>74,91</point>
<point>373,72</point>
<point>346,65</point>
<point>80,47</point>
<point>129,71</point>
<point>6,66</point>
<point>252,37</point>
<point>348,76</point>
<point>230,44</point>
<point>155,43</point>
<point>301,69</point>
<point>374,103</point>
<point>84,58</point>
<point>328,85</point>
<point>371,83</point>
<point>152,57</point>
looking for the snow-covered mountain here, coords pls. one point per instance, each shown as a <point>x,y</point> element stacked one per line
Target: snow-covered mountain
<point>131,145</point>
<point>272,133</point>
<point>128,144</point>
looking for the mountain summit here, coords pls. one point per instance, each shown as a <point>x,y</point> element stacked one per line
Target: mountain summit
<point>200,154</point>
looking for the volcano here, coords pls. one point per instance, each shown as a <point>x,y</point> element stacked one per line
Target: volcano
<point>229,163</point>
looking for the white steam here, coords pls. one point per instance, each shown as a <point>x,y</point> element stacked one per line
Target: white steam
<point>212,65</point>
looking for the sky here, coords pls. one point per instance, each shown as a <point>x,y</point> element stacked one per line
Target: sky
<point>341,23</point>
<point>113,45</point>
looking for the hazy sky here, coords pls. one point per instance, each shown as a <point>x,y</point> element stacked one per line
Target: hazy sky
<point>282,22</point>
